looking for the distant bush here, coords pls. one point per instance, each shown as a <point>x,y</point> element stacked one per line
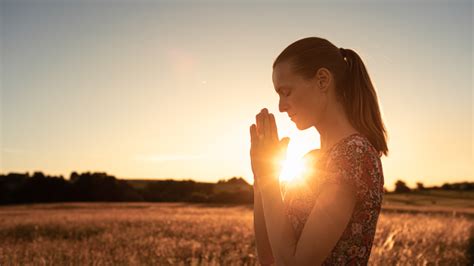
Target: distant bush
<point>420,186</point>
<point>244,197</point>
<point>401,187</point>
<point>197,197</point>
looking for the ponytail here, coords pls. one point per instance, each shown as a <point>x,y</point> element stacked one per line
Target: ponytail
<point>361,104</point>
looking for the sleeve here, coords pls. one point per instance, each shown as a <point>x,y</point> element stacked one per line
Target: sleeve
<point>348,165</point>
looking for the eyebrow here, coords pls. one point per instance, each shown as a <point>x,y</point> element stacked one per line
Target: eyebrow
<point>278,90</point>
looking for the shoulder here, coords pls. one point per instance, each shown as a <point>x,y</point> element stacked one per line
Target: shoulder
<point>352,150</point>
<point>356,163</point>
<point>311,157</point>
<point>312,153</point>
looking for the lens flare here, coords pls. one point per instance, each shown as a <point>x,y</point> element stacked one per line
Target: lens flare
<point>292,170</point>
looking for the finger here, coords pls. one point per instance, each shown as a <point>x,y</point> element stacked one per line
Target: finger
<point>266,125</point>
<point>273,127</point>
<point>258,124</point>
<point>253,135</point>
<point>284,145</point>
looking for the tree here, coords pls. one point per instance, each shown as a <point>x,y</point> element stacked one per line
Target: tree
<point>420,186</point>
<point>401,187</point>
<point>74,177</point>
<point>447,186</point>
<point>38,175</point>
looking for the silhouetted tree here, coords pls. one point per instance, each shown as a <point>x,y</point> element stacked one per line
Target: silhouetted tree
<point>41,188</point>
<point>241,197</point>
<point>102,187</point>
<point>169,190</point>
<point>420,186</point>
<point>447,186</point>
<point>401,187</point>
<point>38,175</point>
<point>73,177</point>
<point>9,186</point>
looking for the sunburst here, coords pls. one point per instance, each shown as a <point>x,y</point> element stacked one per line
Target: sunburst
<point>292,170</point>
<point>297,168</point>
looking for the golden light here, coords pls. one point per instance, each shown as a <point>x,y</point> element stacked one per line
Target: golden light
<point>297,166</point>
<point>292,170</point>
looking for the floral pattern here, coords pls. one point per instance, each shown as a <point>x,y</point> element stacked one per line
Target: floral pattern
<point>353,160</point>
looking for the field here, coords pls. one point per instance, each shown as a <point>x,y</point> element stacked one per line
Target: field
<point>194,234</point>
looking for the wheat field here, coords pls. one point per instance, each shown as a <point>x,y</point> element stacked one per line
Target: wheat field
<point>193,234</point>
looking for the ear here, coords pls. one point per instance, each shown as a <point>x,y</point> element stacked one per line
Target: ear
<point>323,79</point>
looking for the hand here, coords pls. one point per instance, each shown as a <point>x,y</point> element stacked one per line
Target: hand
<point>267,152</point>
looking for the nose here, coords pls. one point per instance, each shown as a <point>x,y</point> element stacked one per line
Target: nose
<point>282,105</point>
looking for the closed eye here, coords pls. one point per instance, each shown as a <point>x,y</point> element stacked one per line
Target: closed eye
<point>284,91</point>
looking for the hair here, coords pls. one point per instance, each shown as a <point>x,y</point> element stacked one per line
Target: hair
<point>354,88</point>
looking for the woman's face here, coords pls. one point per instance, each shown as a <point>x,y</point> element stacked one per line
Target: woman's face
<point>301,99</point>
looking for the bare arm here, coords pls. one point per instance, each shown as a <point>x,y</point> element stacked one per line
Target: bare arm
<point>264,251</point>
<point>326,222</point>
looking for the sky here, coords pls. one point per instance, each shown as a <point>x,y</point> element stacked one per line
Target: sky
<point>168,89</point>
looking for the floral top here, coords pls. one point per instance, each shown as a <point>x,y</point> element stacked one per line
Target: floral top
<point>354,160</point>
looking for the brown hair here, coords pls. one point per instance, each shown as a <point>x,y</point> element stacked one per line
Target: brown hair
<point>353,86</point>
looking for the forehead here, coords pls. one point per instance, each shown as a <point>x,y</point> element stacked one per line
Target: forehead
<point>283,75</point>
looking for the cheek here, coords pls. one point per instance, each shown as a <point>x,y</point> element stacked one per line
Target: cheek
<point>308,104</point>
<point>314,108</point>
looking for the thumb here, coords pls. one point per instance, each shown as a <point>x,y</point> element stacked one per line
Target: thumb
<point>284,144</point>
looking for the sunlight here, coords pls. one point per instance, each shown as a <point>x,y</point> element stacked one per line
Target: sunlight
<point>292,170</point>
<point>297,165</point>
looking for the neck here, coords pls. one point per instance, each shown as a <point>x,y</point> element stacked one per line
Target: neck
<point>334,127</point>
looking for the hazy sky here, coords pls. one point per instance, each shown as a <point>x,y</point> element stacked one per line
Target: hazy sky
<point>168,89</point>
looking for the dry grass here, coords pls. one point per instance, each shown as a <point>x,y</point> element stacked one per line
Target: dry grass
<point>180,234</point>
<point>422,239</point>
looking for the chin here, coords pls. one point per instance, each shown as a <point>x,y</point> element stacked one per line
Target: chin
<point>302,126</point>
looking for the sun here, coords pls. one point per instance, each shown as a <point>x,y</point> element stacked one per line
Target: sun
<point>302,149</point>
<point>292,170</point>
<point>298,164</point>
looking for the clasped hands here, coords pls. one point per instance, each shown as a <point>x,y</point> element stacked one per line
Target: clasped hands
<point>267,151</point>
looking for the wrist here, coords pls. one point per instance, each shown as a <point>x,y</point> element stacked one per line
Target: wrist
<point>256,187</point>
<point>262,186</point>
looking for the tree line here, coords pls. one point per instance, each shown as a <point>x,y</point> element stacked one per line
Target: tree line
<point>99,186</point>
<point>401,187</point>
<point>18,188</point>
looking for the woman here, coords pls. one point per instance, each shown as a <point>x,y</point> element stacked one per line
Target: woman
<point>330,218</point>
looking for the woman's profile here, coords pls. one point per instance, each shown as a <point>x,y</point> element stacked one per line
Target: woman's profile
<point>330,218</point>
